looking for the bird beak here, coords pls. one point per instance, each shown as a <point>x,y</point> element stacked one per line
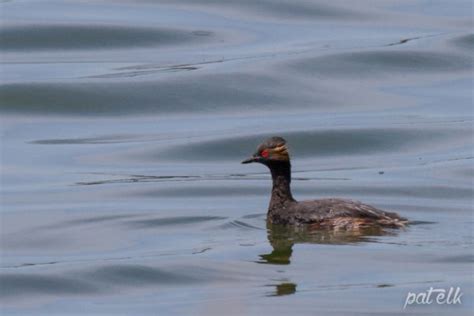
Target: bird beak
<point>250,160</point>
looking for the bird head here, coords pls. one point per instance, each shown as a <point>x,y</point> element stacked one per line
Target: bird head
<point>271,150</point>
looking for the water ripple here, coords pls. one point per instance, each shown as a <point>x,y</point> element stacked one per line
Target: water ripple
<point>135,275</point>
<point>281,9</point>
<point>466,41</point>
<point>312,143</point>
<point>32,284</point>
<point>171,221</point>
<point>377,63</point>
<point>82,37</point>
<point>205,93</point>
<point>236,224</point>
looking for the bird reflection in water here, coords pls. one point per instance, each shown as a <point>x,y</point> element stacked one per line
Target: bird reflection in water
<point>282,238</point>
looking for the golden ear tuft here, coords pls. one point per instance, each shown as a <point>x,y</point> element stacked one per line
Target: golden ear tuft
<point>282,149</point>
<point>280,153</point>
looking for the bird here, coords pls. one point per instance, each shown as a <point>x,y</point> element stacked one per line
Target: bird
<point>329,213</point>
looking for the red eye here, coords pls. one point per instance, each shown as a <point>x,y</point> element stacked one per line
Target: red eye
<point>264,153</point>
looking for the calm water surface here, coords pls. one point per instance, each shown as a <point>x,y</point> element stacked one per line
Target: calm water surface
<point>123,124</point>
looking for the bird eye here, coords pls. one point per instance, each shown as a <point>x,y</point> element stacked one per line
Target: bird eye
<point>264,153</point>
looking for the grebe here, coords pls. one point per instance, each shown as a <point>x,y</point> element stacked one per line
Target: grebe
<point>325,213</point>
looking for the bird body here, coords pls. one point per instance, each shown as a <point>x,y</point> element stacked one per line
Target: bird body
<point>329,213</point>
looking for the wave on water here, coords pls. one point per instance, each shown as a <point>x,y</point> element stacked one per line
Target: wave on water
<point>382,63</point>
<point>333,142</point>
<point>87,37</point>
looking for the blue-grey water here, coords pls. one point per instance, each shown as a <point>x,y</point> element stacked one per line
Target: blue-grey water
<point>123,124</point>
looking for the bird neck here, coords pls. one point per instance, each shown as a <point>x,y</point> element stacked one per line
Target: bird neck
<point>281,191</point>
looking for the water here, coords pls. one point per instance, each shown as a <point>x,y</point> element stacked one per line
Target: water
<point>123,124</point>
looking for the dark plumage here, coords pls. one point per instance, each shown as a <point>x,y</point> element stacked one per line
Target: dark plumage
<point>324,213</point>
